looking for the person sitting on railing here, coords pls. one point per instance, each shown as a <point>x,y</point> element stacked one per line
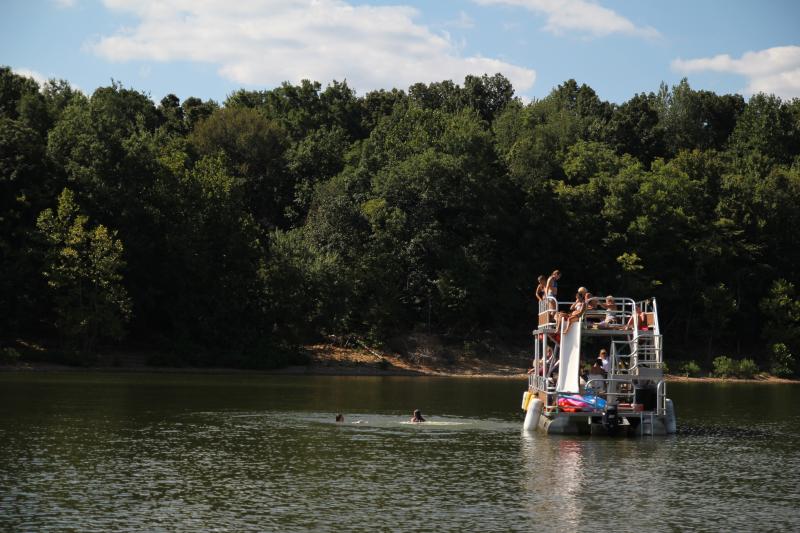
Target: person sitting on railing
<point>576,311</point>
<point>544,363</point>
<point>594,314</point>
<point>639,315</point>
<point>591,301</point>
<point>538,369</point>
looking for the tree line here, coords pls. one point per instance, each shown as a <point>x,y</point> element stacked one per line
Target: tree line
<point>229,234</point>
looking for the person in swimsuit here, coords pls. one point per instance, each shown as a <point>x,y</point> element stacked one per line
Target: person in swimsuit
<point>540,288</point>
<point>611,310</point>
<point>417,417</point>
<point>576,309</point>
<point>591,302</point>
<point>641,319</point>
<point>551,289</point>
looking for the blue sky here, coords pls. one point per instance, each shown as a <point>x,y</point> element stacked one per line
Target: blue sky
<point>210,48</point>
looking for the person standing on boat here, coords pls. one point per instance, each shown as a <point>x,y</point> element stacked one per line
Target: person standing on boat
<point>540,288</point>
<point>551,287</point>
<point>604,362</point>
<point>551,290</point>
<point>598,369</point>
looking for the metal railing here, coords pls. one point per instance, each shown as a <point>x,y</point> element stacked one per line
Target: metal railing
<point>616,316</point>
<point>641,349</point>
<point>608,381</point>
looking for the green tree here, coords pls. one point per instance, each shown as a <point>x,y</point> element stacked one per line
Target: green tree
<point>195,111</point>
<point>254,147</point>
<point>84,272</point>
<point>634,129</point>
<point>27,185</point>
<point>781,308</point>
<point>766,128</point>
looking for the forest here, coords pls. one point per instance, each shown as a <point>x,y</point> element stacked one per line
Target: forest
<point>232,233</point>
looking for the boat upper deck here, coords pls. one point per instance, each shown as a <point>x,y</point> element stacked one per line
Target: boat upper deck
<point>602,317</point>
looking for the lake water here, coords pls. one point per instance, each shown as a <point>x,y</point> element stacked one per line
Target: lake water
<point>139,452</point>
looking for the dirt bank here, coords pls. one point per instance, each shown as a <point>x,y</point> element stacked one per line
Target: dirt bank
<point>420,356</point>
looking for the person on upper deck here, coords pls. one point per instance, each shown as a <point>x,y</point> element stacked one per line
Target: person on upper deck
<point>591,301</point>
<point>551,287</point>
<point>611,310</point>
<point>576,311</point>
<point>551,290</point>
<point>641,316</point>
<point>540,288</point>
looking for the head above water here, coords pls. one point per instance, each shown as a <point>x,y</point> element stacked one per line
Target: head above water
<point>340,417</point>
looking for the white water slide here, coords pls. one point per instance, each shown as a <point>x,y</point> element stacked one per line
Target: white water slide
<point>569,362</point>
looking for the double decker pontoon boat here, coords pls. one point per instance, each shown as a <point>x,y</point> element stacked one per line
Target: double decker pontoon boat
<point>627,399</point>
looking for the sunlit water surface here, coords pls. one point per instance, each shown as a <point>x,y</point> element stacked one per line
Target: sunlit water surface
<point>136,452</point>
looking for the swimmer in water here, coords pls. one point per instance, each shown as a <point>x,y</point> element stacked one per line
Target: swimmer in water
<point>417,417</point>
<point>340,417</point>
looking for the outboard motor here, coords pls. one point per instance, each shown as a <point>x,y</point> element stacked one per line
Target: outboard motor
<point>611,419</point>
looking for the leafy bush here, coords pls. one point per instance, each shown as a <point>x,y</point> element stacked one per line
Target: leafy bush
<point>782,361</point>
<point>690,368</point>
<point>725,367</point>
<point>665,367</point>
<point>9,356</point>
<point>747,368</point>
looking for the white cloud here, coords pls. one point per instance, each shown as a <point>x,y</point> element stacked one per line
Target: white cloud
<point>28,73</point>
<point>583,16</point>
<point>774,70</point>
<point>464,22</point>
<point>64,3</point>
<point>265,42</point>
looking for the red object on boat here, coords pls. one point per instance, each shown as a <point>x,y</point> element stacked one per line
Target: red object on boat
<point>573,405</point>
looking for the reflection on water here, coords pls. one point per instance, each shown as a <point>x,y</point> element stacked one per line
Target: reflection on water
<point>232,453</point>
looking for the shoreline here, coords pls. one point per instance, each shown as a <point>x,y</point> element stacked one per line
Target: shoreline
<point>337,371</point>
<point>332,360</point>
